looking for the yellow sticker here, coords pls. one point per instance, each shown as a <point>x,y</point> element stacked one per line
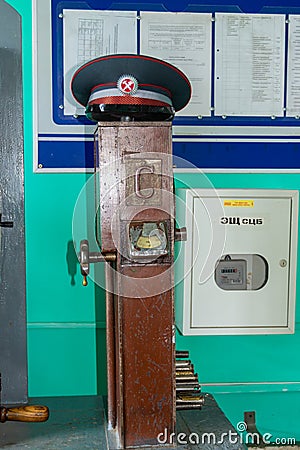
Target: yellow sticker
<point>239,203</point>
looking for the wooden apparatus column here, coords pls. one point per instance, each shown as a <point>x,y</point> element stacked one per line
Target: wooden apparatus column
<point>134,163</point>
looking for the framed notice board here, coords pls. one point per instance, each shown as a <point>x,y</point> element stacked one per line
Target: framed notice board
<point>241,60</point>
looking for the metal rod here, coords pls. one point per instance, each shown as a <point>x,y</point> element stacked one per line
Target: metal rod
<point>110,257</point>
<point>95,257</point>
<point>182,354</point>
<point>184,406</point>
<point>190,383</point>
<point>187,378</point>
<point>190,402</point>
<point>185,369</point>
<point>190,398</point>
<point>183,363</point>
<point>188,389</point>
<point>110,345</point>
<point>184,373</point>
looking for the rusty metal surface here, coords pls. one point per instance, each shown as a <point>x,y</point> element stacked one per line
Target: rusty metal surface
<point>110,347</point>
<point>136,186</point>
<point>119,144</point>
<point>148,367</point>
<point>108,172</point>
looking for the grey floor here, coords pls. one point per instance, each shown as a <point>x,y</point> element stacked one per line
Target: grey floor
<point>79,423</point>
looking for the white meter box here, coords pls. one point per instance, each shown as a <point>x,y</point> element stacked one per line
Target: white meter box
<point>238,266</point>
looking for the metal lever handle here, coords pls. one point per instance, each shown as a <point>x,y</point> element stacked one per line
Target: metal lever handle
<point>86,258</point>
<point>6,224</point>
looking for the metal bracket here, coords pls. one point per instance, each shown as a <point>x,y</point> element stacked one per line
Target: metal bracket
<point>180,234</point>
<point>250,420</point>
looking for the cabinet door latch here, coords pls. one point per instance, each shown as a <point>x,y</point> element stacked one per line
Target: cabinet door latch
<point>6,224</point>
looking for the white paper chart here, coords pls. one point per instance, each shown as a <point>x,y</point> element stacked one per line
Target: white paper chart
<point>89,34</point>
<point>293,69</point>
<point>182,39</point>
<point>249,64</point>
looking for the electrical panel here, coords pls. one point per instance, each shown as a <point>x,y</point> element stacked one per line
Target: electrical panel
<point>236,273</point>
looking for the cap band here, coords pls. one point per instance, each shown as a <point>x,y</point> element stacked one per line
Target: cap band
<point>113,96</point>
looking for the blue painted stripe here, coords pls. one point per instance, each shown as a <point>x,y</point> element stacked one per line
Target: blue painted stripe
<point>235,155</point>
<point>197,137</point>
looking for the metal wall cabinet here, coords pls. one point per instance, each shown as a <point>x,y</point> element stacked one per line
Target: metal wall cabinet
<point>239,261</point>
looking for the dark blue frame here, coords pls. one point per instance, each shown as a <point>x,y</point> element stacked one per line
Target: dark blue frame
<point>205,155</point>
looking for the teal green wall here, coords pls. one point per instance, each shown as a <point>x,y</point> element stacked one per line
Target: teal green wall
<point>66,322</point>
<point>61,317</point>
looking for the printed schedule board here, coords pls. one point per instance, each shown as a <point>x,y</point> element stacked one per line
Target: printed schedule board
<point>242,62</point>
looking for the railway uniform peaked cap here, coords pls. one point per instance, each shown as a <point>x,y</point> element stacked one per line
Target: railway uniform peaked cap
<point>133,80</point>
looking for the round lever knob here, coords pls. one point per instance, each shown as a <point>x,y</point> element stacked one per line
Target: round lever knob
<point>84,281</point>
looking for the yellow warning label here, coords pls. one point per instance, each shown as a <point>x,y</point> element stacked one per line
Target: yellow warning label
<point>239,203</point>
